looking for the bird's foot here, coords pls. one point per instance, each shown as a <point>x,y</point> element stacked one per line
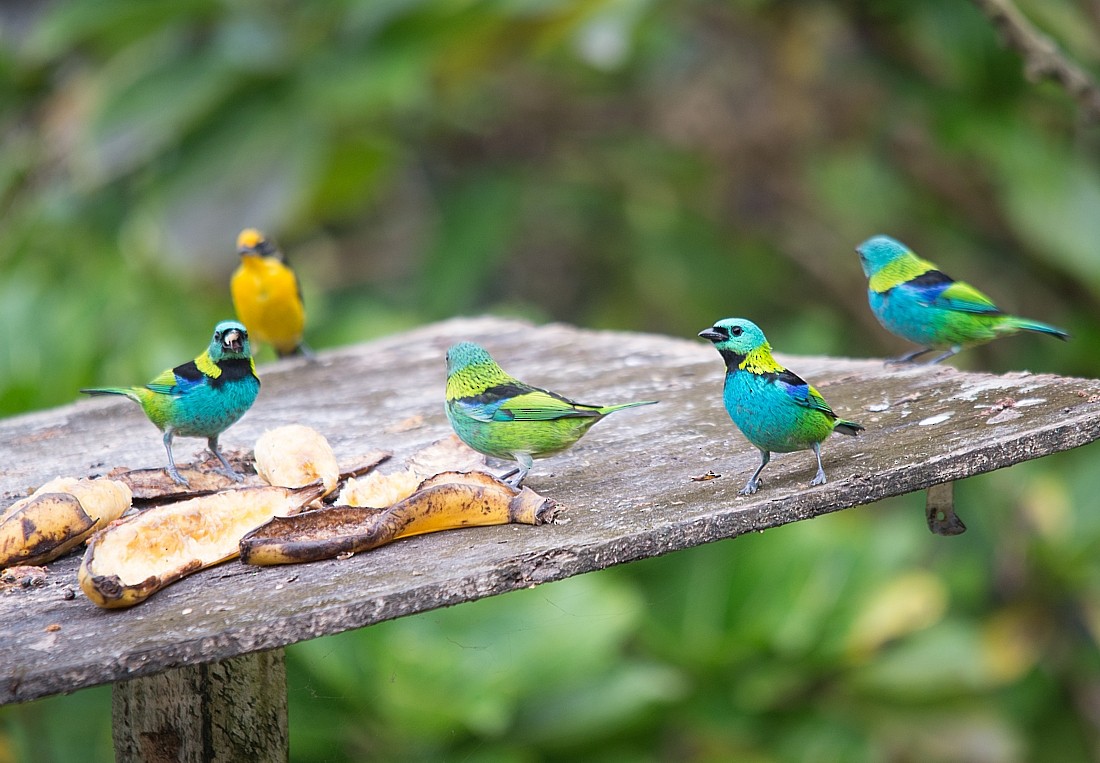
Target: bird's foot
<point>512,477</point>
<point>908,358</point>
<point>750,487</point>
<point>941,357</point>
<point>232,474</point>
<point>227,468</point>
<point>178,478</point>
<point>819,479</point>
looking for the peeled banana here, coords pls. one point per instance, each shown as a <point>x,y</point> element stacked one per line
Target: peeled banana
<point>378,490</point>
<point>446,501</point>
<point>294,456</point>
<point>57,517</point>
<point>131,560</point>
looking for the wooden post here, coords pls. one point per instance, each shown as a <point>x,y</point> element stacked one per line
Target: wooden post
<point>222,711</point>
<point>940,510</point>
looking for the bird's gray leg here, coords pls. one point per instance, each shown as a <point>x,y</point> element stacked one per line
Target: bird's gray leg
<point>944,356</point>
<point>173,472</point>
<point>754,481</point>
<point>910,356</point>
<point>515,476</point>
<point>229,471</point>
<point>819,479</point>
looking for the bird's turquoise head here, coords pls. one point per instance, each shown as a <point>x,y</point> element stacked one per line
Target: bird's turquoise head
<point>230,341</point>
<point>471,370</point>
<point>737,336</point>
<point>879,251</point>
<point>466,354</point>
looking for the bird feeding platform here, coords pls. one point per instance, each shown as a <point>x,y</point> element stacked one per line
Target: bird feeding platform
<point>198,669</point>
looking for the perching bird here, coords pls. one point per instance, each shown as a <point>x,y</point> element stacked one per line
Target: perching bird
<point>502,417</point>
<point>914,300</point>
<point>202,397</point>
<point>773,407</point>
<point>266,295</point>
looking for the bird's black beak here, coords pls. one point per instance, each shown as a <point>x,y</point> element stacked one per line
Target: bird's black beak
<point>712,335</point>
<point>233,340</point>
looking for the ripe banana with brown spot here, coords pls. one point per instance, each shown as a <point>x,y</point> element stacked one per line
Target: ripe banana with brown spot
<point>58,517</point>
<point>131,560</point>
<point>446,501</point>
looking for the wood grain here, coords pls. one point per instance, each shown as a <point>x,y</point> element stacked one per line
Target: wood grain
<point>227,711</point>
<point>627,486</point>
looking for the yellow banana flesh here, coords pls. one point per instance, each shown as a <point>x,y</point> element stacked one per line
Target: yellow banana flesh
<point>295,456</point>
<point>131,560</point>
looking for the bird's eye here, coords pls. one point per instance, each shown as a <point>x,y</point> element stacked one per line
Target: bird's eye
<point>735,331</point>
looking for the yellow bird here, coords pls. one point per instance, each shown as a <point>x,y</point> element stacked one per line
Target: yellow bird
<point>266,295</point>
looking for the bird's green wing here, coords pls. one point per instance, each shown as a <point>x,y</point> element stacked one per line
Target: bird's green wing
<point>965,298</point>
<point>803,393</point>
<point>540,405</point>
<point>815,401</point>
<point>178,380</point>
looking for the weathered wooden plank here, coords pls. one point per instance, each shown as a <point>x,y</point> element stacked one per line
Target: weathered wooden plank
<point>221,712</point>
<point>627,485</point>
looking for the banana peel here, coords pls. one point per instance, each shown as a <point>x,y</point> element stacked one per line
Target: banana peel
<point>129,561</point>
<point>446,501</point>
<point>57,518</point>
<point>449,454</point>
<point>151,486</point>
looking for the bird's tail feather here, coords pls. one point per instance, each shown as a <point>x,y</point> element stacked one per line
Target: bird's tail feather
<point>850,428</point>
<point>125,391</point>
<point>1026,324</point>
<point>612,408</point>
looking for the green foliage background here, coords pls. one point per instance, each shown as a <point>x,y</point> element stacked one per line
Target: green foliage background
<point>627,164</point>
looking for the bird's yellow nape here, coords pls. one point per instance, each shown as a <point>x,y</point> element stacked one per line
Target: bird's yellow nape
<point>249,239</point>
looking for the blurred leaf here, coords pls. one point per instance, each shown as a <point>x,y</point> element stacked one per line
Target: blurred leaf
<point>909,602</point>
<point>135,123</point>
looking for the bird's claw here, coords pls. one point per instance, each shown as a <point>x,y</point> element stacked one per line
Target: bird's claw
<point>512,477</point>
<point>232,474</point>
<point>178,478</point>
<point>227,468</point>
<point>750,487</point>
<point>818,480</point>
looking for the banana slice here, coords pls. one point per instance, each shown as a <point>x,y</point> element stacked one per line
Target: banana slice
<point>57,518</point>
<point>295,456</point>
<point>377,490</point>
<point>446,501</point>
<point>131,560</point>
